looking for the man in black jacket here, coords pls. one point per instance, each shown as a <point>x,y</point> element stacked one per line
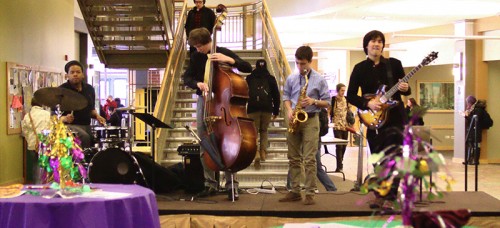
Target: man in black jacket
<point>199,17</point>
<point>263,105</point>
<point>194,78</point>
<point>368,76</point>
<point>478,108</point>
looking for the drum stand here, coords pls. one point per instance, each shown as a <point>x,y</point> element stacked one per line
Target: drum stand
<point>130,140</point>
<point>154,123</point>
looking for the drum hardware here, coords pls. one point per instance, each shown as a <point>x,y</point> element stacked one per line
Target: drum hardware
<point>115,166</point>
<point>130,108</point>
<point>68,100</point>
<point>154,123</point>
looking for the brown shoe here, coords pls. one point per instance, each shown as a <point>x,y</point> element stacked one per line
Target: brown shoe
<point>263,155</point>
<point>290,197</point>
<point>309,200</point>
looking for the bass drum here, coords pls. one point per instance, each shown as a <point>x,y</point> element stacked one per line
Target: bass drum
<point>113,166</point>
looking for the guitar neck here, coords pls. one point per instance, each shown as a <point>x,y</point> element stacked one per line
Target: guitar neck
<point>388,95</point>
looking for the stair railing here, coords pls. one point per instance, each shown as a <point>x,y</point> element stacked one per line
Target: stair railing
<point>165,102</point>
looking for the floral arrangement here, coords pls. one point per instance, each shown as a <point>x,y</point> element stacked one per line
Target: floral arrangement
<point>60,155</point>
<point>409,165</point>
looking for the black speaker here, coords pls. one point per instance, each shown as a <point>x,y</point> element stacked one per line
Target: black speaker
<point>166,179</point>
<point>193,170</point>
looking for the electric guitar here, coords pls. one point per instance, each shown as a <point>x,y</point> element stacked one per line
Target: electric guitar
<point>376,119</point>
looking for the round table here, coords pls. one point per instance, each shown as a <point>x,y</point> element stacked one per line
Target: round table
<point>112,205</point>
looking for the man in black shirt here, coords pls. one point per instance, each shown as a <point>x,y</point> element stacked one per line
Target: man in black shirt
<point>79,120</point>
<point>199,17</point>
<point>194,78</point>
<point>369,75</point>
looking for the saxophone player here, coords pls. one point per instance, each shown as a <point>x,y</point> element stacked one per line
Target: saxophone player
<point>304,94</point>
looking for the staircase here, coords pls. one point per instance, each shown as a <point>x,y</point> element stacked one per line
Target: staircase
<point>150,34</point>
<point>176,104</point>
<point>129,33</point>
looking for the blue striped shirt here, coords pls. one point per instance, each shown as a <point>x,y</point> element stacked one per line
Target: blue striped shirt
<point>317,89</point>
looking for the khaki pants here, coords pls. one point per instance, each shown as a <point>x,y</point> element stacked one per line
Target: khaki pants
<point>261,121</point>
<point>302,149</point>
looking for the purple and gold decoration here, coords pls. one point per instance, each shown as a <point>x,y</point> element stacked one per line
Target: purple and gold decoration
<point>60,155</point>
<point>412,162</point>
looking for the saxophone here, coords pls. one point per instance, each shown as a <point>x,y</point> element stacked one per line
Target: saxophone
<point>299,115</point>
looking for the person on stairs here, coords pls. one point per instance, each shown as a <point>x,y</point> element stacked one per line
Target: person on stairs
<point>263,104</point>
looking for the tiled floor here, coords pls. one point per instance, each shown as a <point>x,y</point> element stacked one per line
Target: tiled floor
<point>488,174</point>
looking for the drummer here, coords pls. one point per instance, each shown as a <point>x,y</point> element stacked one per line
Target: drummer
<point>79,120</point>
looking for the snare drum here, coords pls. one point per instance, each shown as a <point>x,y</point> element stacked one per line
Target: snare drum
<point>110,132</point>
<point>113,166</point>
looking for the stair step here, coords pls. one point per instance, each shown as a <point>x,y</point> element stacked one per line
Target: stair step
<point>270,130</point>
<point>126,23</point>
<point>189,100</point>
<point>183,119</point>
<point>184,109</point>
<point>190,139</point>
<point>271,150</point>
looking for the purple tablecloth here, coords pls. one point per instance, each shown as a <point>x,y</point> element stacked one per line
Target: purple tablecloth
<point>136,210</point>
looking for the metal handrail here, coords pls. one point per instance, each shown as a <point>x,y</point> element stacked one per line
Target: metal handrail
<point>175,64</point>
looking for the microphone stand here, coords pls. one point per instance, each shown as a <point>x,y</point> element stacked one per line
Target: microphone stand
<point>475,148</point>
<point>359,177</point>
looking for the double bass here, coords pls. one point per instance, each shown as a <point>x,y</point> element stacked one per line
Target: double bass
<point>233,133</point>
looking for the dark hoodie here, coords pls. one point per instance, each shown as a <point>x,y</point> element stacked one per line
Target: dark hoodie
<point>480,111</point>
<point>260,77</point>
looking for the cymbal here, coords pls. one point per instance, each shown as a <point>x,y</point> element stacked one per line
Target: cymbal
<point>130,108</point>
<point>68,100</point>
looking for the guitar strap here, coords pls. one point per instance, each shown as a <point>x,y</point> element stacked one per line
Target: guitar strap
<point>389,73</point>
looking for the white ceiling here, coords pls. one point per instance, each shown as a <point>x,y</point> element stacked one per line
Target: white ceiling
<point>302,21</point>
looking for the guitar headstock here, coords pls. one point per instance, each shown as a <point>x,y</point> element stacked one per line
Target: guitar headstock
<point>429,58</point>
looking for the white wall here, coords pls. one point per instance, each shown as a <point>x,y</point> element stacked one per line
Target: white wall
<point>417,50</point>
<point>491,49</point>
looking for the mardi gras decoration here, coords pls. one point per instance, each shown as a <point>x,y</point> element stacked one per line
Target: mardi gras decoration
<point>411,166</point>
<point>60,155</point>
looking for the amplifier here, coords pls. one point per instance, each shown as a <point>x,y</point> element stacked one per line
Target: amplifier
<point>189,149</point>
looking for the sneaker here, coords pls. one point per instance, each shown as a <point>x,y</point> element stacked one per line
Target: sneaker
<point>208,191</point>
<point>230,194</point>
<point>309,200</point>
<point>256,164</point>
<point>290,197</point>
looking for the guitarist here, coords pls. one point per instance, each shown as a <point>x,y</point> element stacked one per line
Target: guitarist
<point>368,76</point>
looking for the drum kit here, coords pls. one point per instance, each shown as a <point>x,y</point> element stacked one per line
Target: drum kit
<point>112,159</point>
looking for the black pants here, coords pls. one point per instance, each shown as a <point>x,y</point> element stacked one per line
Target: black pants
<point>340,149</point>
<point>378,142</point>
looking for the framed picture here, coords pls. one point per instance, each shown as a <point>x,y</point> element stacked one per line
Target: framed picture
<point>436,96</point>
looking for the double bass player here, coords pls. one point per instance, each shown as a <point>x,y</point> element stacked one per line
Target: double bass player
<point>201,39</point>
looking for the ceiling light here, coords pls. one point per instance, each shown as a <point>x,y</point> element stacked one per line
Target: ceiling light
<point>431,36</point>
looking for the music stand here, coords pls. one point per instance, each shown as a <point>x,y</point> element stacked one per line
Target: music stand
<point>154,123</point>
